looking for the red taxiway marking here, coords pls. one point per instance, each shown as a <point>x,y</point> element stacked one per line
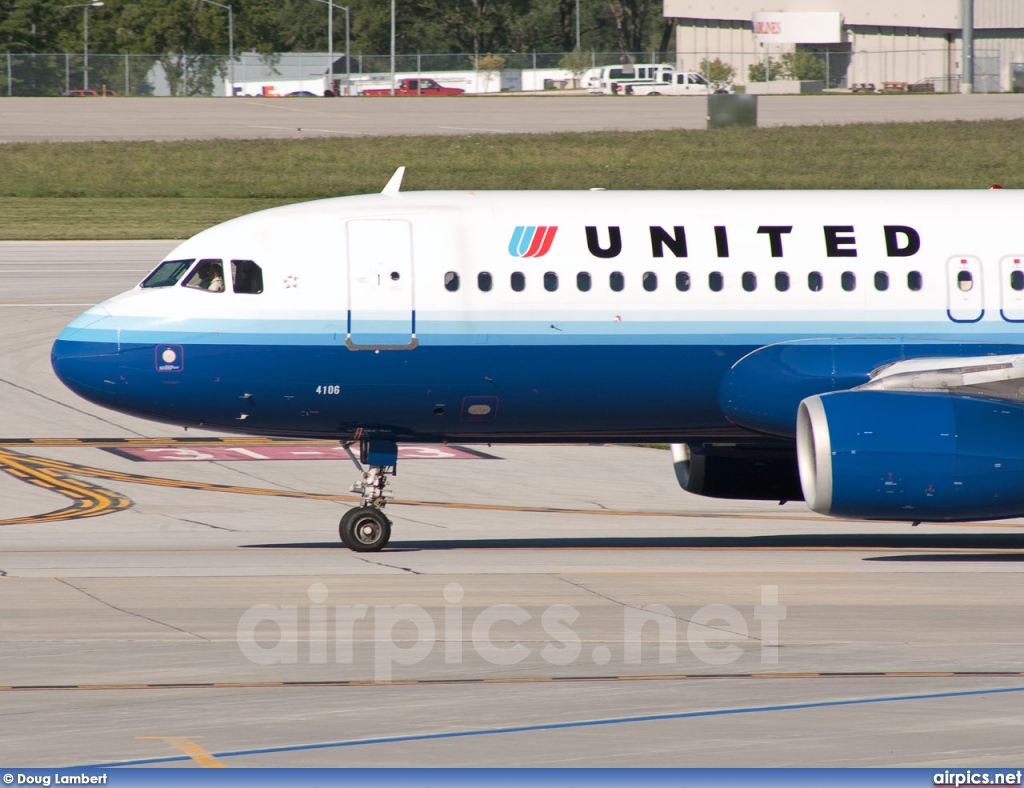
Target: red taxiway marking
<point>311,452</point>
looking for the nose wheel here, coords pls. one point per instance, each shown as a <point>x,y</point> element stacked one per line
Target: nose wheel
<point>366,528</point>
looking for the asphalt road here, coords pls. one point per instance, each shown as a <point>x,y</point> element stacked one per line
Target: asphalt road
<point>76,119</point>
<point>546,606</point>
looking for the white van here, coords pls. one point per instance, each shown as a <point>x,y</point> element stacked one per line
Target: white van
<point>683,83</point>
<point>614,79</point>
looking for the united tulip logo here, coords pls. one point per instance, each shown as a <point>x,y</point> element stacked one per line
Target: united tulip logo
<point>531,241</point>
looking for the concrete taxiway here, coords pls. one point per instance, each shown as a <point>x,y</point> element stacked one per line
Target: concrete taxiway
<point>538,606</point>
<point>67,120</point>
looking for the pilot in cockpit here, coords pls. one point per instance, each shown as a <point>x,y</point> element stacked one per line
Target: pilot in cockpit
<point>211,277</point>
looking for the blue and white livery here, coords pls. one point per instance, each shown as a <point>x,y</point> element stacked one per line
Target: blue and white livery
<point>863,351</point>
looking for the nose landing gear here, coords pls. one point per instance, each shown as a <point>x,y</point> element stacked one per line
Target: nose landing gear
<point>366,528</point>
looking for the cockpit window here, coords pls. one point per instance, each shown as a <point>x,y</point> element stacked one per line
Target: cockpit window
<point>246,276</point>
<point>207,275</point>
<point>167,273</point>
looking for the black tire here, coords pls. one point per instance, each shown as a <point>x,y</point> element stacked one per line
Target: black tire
<point>654,93</point>
<point>365,529</point>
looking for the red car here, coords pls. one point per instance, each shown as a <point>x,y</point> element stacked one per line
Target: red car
<point>415,87</point>
<point>89,93</point>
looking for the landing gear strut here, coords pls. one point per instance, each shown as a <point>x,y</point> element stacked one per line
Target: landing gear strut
<point>366,528</point>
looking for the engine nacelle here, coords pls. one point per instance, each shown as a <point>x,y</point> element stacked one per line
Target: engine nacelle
<point>735,471</point>
<point>893,455</point>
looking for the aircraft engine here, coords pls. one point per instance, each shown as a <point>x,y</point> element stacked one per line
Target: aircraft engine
<point>736,471</point>
<point>894,455</point>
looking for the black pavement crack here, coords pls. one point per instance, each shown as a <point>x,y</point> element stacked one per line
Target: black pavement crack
<point>387,566</point>
<point>71,407</point>
<point>129,612</point>
<point>208,525</point>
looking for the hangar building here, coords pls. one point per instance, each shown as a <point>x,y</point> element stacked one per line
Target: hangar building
<point>916,43</point>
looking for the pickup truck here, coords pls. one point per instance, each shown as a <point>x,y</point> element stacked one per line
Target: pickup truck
<point>414,87</point>
<point>681,83</point>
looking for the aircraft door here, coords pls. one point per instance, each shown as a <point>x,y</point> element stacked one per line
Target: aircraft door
<point>380,285</point>
<point>963,284</point>
<point>1011,289</point>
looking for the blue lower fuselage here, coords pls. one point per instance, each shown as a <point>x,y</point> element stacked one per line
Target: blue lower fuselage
<point>621,392</point>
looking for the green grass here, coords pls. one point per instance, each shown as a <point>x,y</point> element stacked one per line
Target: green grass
<point>174,189</point>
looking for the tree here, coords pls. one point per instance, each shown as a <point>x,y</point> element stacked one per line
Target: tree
<point>576,63</point>
<point>764,70</point>
<point>802,65</point>
<point>473,25</point>
<point>630,18</point>
<point>718,73</point>
<point>488,65</point>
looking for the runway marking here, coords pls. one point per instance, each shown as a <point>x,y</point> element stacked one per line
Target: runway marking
<point>58,474</point>
<point>93,501</point>
<point>571,724</point>
<point>938,674</point>
<point>303,451</point>
<point>186,441</point>
<point>191,749</point>
<point>89,500</point>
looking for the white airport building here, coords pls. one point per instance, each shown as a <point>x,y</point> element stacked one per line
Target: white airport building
<point>911,43</point>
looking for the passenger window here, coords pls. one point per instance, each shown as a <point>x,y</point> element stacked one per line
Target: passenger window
<point>484,281</point>
<point>750,281</point>
<point>650,281</point>
<point>682,281</point>
<point>814,282</point>
<point>881,280</point>
<point>583,281</point>
<point>616,281</point>
<point>246,277</point>
<point>551,281</point>
<point>782,281</point>
<point>1017,280</point>
<point>965,281</point>
<point>715,281</point>
<point>914,281</point>
<point>207,275</point>
<point>451,281</point>
<point>167,273</point>
<point>849,281</point>
<point>518,282</point>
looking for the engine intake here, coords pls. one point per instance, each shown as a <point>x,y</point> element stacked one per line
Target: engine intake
<point>889,455</point>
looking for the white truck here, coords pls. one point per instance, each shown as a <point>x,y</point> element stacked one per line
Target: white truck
<point>610,80</point>
<point>679,83</point>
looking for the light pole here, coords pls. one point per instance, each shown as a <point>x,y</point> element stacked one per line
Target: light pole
<point>330,44</point>
<point>577,25</point>
<point>231,44</point>
<point>85,35</point>
<point>392,47</point>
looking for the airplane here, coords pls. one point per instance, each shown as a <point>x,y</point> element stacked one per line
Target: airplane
<point>859,350</point>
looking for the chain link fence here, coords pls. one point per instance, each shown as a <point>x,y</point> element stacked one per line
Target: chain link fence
<point>211,75</point>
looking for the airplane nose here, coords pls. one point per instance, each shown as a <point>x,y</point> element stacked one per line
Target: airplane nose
<point>86,357</point>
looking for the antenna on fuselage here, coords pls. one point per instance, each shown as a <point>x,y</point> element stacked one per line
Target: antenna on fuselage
<point>395,184</point>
